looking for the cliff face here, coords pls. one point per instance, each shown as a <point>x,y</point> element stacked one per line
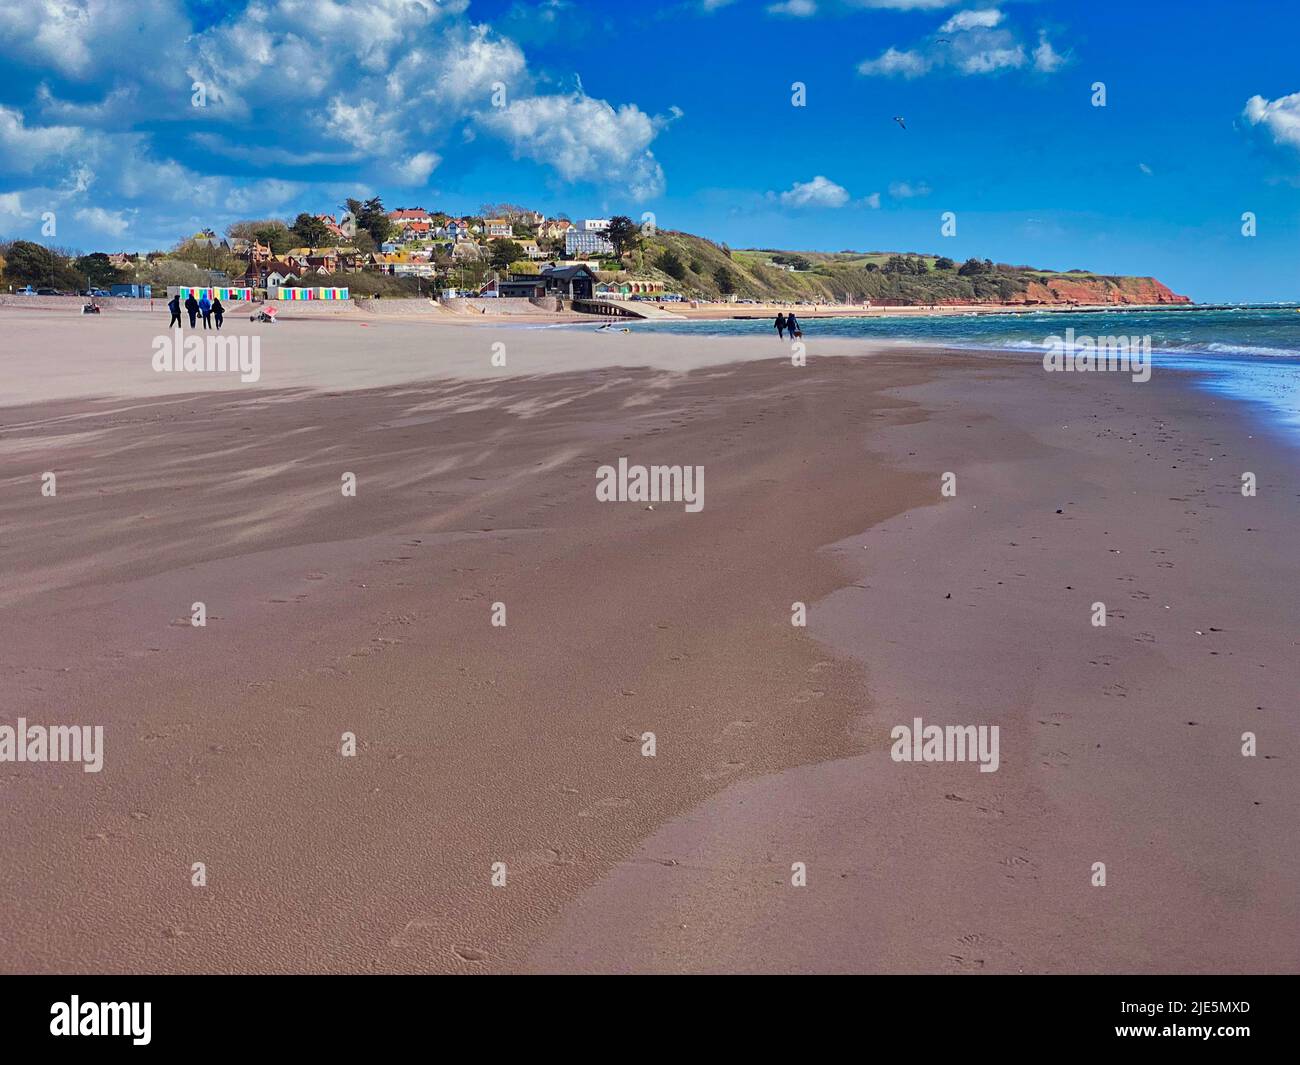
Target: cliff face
<point>1094,290</point>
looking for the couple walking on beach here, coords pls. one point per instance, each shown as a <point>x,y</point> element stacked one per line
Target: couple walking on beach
<point>211,310</point>
<point>788,323</point>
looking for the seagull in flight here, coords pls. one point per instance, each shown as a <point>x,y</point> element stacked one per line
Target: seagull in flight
<point>899,120</point>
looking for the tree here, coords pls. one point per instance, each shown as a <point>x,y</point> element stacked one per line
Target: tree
<point>725,279</point>
<point>33,264</point>
<point>100,273</point>
<point>671,264</point>
<point>371,217</point>
<point>310,230</point>
<point>622,233</point>
<point>944,263</point>
<point>504,252</point>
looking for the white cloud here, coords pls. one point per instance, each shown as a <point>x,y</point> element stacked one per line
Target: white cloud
<point>1145,169</point>
<point>289,85</point>
<point>969,20</point>
<point>909,64</point>
<point>793,8</point>
<point>415,169</point>
<point>1046,58</point>
<point>903,190</point>
<point>819,192</point>
<point>23,148</point>
<point>1280,117</point>
<point>110,222</point>
<point>988,60</point>
<point>872,201</point>
<point>584,139</point>
<point>976,41</point>
<point>263,196</point>
<point>907,5</point>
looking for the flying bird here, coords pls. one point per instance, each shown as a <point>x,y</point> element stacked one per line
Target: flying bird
<point>899,120</point>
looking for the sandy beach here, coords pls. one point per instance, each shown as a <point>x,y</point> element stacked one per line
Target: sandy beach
<point>479,744</point>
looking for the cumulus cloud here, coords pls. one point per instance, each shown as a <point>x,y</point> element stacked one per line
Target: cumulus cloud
<point>1046,58</point>
<point>415,169</point>
<point>1280,117</point>
<point>819,192</point>
<point>976,41</point>
<point>97,218</point>
<point>372,88</point>
<point>23,148</point>
<point>584,138</point>
<point>969,20</point>
<point>909,64</point>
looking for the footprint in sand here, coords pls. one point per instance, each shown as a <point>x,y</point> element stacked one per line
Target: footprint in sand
<point>469,953</point>
<point>735,727</point>
<point>615,802</point>
<point>722,770</point>
<point>807,695</point>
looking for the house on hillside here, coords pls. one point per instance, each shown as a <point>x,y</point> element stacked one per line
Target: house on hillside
<point>268,274</point>
<point>499,227</point>
<point>314,260</point>
<point>416,231</point>
<point>403,215</point>
<point>554,229</point>
<point>595,225</point>
<point>531,248</point>
<point>343,227</point>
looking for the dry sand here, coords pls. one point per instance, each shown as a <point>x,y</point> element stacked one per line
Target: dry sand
<point>521,744</point>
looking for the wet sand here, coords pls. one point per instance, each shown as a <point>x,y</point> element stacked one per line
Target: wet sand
<point>522,744</point>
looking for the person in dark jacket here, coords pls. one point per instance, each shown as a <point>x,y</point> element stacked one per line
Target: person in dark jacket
<point>793,328</point>
<point>780,325</point>
<point>174,305</point>
<point>218,311</point>
<point>192,307</point>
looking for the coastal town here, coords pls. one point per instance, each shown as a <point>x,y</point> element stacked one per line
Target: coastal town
<point>364,250</point>
<point>516,255</point>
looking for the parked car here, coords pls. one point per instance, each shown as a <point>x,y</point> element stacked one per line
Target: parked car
<point>48,292</point>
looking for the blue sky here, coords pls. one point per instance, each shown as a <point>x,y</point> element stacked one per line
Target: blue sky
<point>682,109</point>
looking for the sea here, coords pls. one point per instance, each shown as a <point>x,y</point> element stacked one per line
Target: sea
<point>1248,353</point>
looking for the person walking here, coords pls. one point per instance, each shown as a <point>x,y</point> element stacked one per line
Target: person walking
<point>174,305</point>
<point>205,309</point>
<point>780,324</point>
<point>218,311</point>
<point>192,308</point>
<point>793,328</point>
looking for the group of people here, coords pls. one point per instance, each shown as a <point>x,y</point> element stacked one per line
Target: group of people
<point>210,310</point>
<point>788,323</point>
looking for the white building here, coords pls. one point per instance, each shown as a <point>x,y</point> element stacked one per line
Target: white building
<point>595,225</point>
<point>581,243</point>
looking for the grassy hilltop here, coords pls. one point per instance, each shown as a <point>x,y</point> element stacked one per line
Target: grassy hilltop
<point>695,265</point>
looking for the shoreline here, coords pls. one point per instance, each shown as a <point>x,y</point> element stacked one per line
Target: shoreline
<point>522,744</point>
